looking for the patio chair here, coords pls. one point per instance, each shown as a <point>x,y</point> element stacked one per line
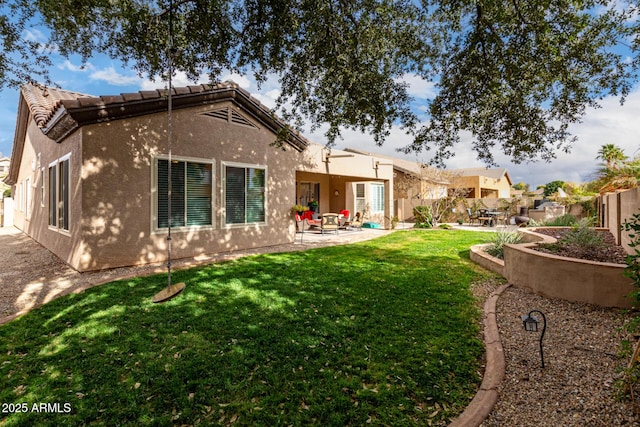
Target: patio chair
<point>472,217</point>
<point>344,219</point>
<point>330,222</point>
<point>356,222</point>
<point>303,222</point>
<point>504,218</point>
<point>483,217</point>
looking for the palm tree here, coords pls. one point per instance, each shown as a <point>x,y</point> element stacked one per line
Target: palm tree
<point>612,156</point>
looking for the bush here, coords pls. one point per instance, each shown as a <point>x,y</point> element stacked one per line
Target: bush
<point>501,238</point>
<point>582,236</point>
<point>566,220</point>
<point>424,217</point>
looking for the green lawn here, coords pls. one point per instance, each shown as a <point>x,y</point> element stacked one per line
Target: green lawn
<point>382,332</point>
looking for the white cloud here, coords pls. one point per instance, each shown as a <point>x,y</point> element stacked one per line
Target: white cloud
<point>611,124</point>
<point>110,76</point>
<point>69,66</point>
<point>34,35</point>
<point>418,87</point>
<point>240,80</point>
<point>179,79</point>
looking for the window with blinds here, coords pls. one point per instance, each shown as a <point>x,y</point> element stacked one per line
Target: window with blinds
<point>377,198</point>
<point>245,195</point>
<point>59,193</point>
<point>361,201</point>
<point>191,193</point>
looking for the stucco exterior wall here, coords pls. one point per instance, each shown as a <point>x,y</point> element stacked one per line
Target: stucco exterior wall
<point>118,175</point>
<point>341,170</point>
<point>617,208</point>
<point>38,153</point>
<point>113,200</point>
<point>499,188</point>
<point>573,280</point>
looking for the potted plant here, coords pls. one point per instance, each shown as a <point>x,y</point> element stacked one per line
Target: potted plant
<point>313,205</point>
<point>299,209</point>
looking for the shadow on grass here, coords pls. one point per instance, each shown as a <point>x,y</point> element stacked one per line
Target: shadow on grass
<point>382,331</point>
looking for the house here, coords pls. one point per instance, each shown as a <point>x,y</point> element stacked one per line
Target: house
<point>484,183</point>
<point>414,179</point>
<point>4,171</point>
<point>90,175</point>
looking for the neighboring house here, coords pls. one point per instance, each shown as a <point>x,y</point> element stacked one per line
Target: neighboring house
<point>89,175</point>
<point>414,180</point>
<point>414,183</point>
<point>5,220</point>
<point>484,183</point>
<point>4,171</point>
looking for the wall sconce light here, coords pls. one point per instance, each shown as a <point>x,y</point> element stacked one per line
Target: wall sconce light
<point>336,193</point>
<point>530,324</point>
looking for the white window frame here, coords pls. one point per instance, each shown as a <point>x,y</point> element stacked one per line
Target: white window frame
<point>56,164</point>
<point>21,196</point>
<point>223,189</point>
<point>27,198</point>
<point>42,186</point>
<point>376,191</point>
<point>360,201</point>
<point>154,192</point>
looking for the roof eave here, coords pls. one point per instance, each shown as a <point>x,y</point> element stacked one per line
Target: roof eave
<point>77,113</point>
<point>22,121</point>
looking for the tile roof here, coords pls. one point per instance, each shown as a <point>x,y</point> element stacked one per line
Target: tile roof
<point>496,173</point>
<point>58,112</point>
<point>43,101</point>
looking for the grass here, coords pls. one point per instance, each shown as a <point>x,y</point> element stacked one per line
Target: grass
<point>382,332</point>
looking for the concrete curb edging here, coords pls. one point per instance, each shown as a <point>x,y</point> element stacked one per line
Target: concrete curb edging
<point>487,395</point>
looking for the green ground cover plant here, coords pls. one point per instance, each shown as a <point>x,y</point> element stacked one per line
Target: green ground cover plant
<point>383,332</point>
<point>501,238</point>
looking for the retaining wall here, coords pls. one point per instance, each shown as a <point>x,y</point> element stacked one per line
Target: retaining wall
<point>553,276</point>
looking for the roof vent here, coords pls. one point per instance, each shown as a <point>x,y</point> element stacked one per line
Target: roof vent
<point>229,115</point>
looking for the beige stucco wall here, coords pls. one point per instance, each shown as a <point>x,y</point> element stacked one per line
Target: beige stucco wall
<point>117,226</point>
<point>38,153</point>
<point>500,187</point>
<point>112,192</point>
<point>342,172</point>
<point>574,280</point>
<point>617,208</point>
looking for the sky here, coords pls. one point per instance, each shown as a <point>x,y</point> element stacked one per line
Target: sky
<point>611,124</point>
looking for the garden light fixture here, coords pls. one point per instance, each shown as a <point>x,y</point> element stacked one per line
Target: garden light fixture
<point>530,324</point>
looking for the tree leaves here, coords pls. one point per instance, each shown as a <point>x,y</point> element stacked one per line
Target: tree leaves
<point>513,74</point>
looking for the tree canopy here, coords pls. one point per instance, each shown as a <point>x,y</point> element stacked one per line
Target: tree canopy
<point>612,155</point>
<point>513,74</point>
<point>552,187</point>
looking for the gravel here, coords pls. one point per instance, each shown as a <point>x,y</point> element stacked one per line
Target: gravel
<point>577,387</point>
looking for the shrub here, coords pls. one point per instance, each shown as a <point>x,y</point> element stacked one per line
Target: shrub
<point>501,238</point>
<point>631,374</point>
<point>424,217</point>
<point>582,236</point>
<point>566,220</point>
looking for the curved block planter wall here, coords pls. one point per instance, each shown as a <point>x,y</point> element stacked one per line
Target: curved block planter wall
<point>570,279</point>
<point>491,263</point>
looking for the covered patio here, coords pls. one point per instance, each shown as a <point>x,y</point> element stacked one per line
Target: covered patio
<point>340,181</point>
